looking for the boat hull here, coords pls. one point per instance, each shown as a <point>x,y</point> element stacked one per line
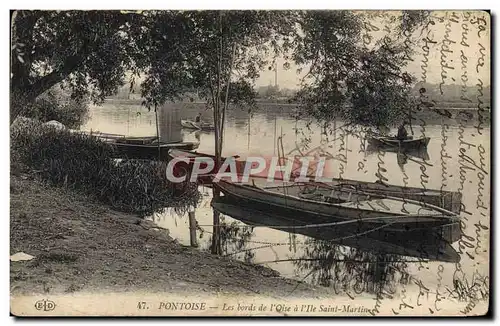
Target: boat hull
<point>150,151</point>
<point>360,215</point>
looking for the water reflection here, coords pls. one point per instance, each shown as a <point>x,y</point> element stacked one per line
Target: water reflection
<point>425,244</point>
<point>402,156</point>
<point>344,257</point>
<point>234,239</point>
<point>351,269</point>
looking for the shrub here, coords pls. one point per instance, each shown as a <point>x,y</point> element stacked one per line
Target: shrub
<point>85,163</point>
<point>55,104</point>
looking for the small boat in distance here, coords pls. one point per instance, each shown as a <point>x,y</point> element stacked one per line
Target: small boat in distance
<point>353,207</point>
<point>189,124</point>
<point>419,153</point>
<point>393,142</point>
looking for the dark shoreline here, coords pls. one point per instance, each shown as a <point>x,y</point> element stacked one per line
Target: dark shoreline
<point>447,115</point>
<point>441,105</point>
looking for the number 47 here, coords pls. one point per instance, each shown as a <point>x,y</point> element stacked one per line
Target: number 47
<point>141,305</point>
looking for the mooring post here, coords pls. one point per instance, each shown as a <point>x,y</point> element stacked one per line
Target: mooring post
<point>192,229</point>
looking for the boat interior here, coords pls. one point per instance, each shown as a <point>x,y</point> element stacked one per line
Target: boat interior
<point>335,195</point>
<point>346,196</point>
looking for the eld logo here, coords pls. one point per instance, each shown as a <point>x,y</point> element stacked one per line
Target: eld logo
<point>45,305</point>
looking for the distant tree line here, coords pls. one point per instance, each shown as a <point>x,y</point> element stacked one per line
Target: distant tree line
<point>452,93</point>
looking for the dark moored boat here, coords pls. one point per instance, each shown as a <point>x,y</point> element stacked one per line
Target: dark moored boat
<point>426,245</point>
<point>392,142</point>
<point>365,210</point>
<point>148,147</point>
<point>192,155</point>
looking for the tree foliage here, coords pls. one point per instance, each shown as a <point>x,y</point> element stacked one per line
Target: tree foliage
<point>352,75</point>
<point>209,51</point>
<point>87,52</point>
<point>91,52</point>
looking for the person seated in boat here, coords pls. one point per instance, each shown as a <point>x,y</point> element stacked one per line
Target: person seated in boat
<point>402,132</point>
<point>198,118</point>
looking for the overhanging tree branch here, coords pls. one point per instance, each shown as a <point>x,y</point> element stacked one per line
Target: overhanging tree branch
<point>44,83</point>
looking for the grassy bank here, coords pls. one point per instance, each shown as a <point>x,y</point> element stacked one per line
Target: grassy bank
<point>80,245</point>
<point>85,164</point>
<point>79,213</point>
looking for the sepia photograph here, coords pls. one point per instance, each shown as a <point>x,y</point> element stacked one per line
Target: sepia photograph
<point>314,163</point>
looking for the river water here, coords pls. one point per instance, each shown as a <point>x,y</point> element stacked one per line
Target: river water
<point>457,159</point>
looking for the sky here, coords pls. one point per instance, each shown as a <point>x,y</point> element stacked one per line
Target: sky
<point>448,32</point>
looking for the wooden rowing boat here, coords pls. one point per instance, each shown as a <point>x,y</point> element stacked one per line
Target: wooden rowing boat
<point>364,210</point>
<point>426,245</point>
<point>189,124</point>
<point>449,200</point>
<point>392,142</point>
<point>192,155</point>
<point>445,199</point>
<point>148,148</point>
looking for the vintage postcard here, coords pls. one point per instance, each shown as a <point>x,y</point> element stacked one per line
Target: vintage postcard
<point>250,163</point>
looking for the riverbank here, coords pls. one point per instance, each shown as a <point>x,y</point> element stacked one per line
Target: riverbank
<point>83,246</point>
<point>286,103</point>
<point>449,113</point>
